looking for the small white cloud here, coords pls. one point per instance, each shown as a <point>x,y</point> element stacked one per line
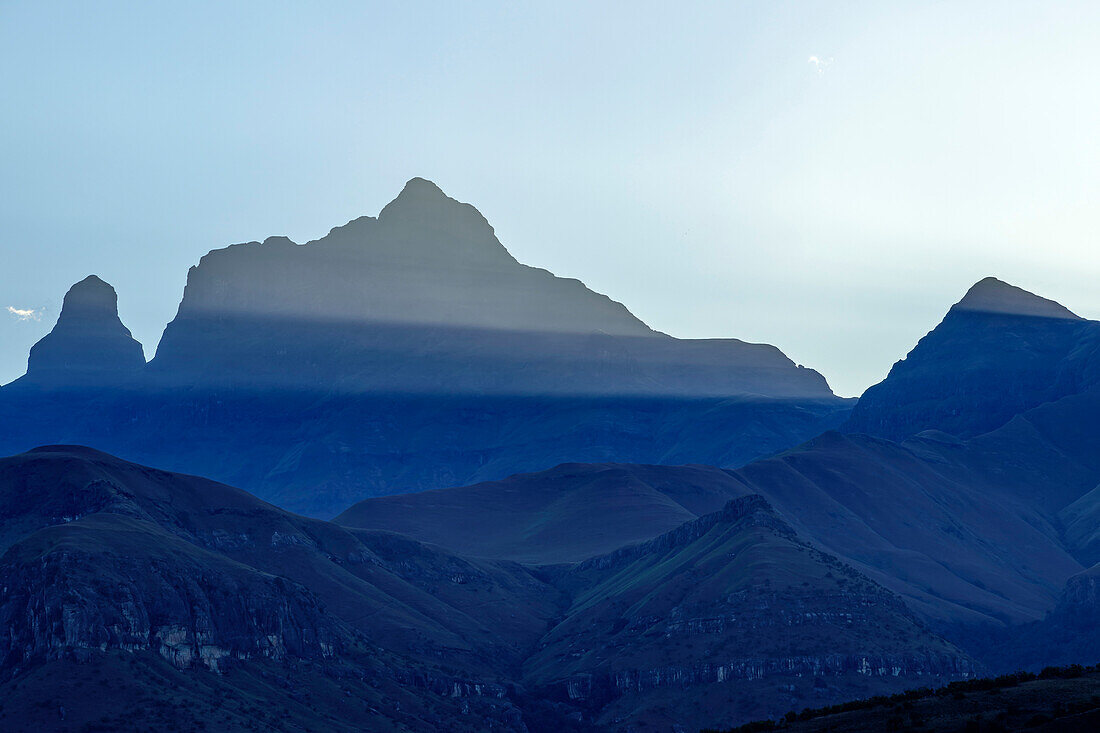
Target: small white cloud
<point>820,63</point>
<point>25,314</point>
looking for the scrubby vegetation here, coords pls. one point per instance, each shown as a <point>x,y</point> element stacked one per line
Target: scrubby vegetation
<point>969,705</point>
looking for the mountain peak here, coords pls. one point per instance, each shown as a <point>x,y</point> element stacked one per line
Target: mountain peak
<point>991,295</point>
<point>89,298</point>
<point>433,227</point>
<point>420,194</point>
<point>1000,351</point>
<point>423,186</point>
<point>89,343</point>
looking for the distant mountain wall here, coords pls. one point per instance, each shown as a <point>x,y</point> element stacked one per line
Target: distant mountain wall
<point>398,353</point>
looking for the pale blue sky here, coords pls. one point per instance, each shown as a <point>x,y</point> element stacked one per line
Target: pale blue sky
<point>686,159</point>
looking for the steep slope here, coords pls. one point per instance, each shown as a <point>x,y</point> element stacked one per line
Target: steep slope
<point>1069,634</point>
<point>955,528</point>
<point>172,588</point>
<point>969,532</point>
<point>727,617</point>
<point>426,259</point>
<point>998,352</point>
<point>105,556</point>
<point>1081,521</point>
<point>973,533</point>
<point>566,514</point>
<point>88,345</point>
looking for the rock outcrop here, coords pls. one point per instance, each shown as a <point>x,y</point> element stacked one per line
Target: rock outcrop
<point>89,345</point>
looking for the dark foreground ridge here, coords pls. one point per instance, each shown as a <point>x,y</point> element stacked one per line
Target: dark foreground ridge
<point>1055,699</point>
<point>167,589</point>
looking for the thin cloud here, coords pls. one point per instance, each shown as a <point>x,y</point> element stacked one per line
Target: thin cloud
<point>25,314</point>
<point>820,63</point>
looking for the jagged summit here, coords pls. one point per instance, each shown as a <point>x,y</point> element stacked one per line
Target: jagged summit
<point>991,295</point>
<point>419,192</point>
<point>423,229</point>
<point>427,259</point>
<point>89,344</point>
<point>427,225</point>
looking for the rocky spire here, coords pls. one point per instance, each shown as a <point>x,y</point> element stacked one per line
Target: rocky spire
<point>89,344</point>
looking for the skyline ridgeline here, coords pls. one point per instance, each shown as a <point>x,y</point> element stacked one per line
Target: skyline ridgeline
<point>425,262</point>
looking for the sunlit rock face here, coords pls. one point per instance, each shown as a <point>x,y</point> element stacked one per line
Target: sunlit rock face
<point>425,299</point>
<point>998,352</point>
<point>426,259</point>
<point>89,344</point>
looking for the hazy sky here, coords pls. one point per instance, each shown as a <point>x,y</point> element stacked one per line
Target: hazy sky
<point>824,176</point>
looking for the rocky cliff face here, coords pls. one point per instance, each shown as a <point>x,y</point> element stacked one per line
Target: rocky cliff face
<point>998,352</point>
<point>63,598</point>
<point>102,557</point>
<point>1080,603</point>
<point>89,345</point>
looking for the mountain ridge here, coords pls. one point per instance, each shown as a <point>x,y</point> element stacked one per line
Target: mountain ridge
<point>368,362</point>
<point>106,560</point>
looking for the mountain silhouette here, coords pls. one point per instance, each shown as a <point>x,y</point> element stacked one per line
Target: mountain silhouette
<point>976,531</point>
<point>998,351</point>
<point>425,299</point>
<point>401,352</point>
<point>88,345</point>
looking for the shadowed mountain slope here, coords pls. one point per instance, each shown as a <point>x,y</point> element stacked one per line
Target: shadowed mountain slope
<point>104,554</point>
<point>998,352</point>
<point>975,532</point>
<point>153,581</point>
<point>1069,634</point>
<point>1081,520</point>
<point>566,514</point>
<point>968,532</point>
<point>726,617</point>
